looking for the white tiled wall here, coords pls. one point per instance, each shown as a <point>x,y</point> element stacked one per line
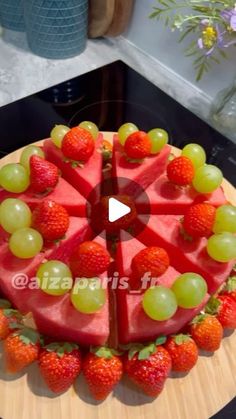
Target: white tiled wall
<point>157,40</point>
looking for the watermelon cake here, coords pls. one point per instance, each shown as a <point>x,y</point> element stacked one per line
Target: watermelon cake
<point>148,292</point>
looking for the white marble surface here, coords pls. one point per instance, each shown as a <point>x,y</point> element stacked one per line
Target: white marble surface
<point>22,73</point>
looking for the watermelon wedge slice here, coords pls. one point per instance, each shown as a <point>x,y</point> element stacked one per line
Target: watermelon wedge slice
<point>186,256</point>
<point>145,173</point>
<point>166,198</point>
<point>11,266</point>
<point>56,317</point>
<point>135,326</point>
<point>85,178</point>
<point>133,323</point>
<point>63,194</point>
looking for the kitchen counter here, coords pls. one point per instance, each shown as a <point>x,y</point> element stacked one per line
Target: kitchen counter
<point>23,73</point>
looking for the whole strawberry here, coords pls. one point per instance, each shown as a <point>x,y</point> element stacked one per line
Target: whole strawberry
<point>60,365</point>
<point>199,220</point>
<point>207,332</point>
<point>7,317</point>
<point>148,367</point>
<point>21,349</point>
<point>180,171</point>
<point>78,145</point>
<point>224,307</point>
<point>183,351</point>
<point>152,259</point>
<point>230,288</point>
<point>51,220</point>
<point>102,370</point>
<point>89,259</point>
<point>43,175</point>
<point>138,145</point>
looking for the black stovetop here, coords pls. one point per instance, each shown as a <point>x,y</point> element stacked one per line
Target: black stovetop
<point>110,96</point>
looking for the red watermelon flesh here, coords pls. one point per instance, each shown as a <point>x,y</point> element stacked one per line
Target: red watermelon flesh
<point>143,173</point>
<point>133,323</point>
<point>166,198</point>
<point>63,194</point>
<point>11,265</point>
<point>135,326</point>
<point>85,178</point>
<point>186,256</point>
<point>57,318</point>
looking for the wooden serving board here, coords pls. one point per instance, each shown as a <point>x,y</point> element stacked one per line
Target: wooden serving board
<point>100,17</point>
<point>121,17</point>
<point>200,394</point>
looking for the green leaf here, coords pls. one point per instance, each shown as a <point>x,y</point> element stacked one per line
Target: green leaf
<point>161,340</point>
<point>181,338</point>
<point>4,303</point>
<point>29,336</point>
<point>147,351</point>
<point>198,319</point>
<point>137,347</point>
<point>9,312</point>
<point>231,284</point>
<point>213,306</point>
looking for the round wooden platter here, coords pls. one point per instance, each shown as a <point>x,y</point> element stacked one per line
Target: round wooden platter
<point>199,394</point>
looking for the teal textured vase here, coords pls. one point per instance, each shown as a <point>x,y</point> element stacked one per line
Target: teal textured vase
<point>56,28</point>
<point>12,14</point>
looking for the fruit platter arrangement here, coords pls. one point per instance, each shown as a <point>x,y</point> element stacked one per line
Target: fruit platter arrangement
<point>128,306</point>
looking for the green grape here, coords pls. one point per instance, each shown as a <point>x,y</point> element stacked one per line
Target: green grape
<point>222,247</point>
<point>159,303</point>
<point>88,296</point>
<point>207,178</point>
<point>14,178</point>
<point>159,138</point>
<point>91,127</point>
<point>14,214</point>
<point>125,130</point>
<point>54,278</point>
<point>225,219</point>
<point>189,289</point>
<point>31,150</point>
<point>195,153</point>
<point>26,243</point>
<point>58,133</point>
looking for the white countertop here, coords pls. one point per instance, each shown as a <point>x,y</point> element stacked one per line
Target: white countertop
<point>23,73</point>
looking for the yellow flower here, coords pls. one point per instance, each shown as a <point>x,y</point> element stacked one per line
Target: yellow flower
<point>209,37</point>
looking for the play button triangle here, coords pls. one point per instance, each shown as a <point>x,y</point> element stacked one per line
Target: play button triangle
<point>117,210</point>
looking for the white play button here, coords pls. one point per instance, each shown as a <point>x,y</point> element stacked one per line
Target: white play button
<point>117,210</point>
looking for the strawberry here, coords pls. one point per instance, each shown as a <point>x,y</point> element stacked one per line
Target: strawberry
<point>100,215</point>
<point>180,171</point>
<point>152,259</point>
<point>89,259</point>
<point>21,349</point>
<point>183,351</point>
<point>230,288</point>
<point>78,145</point>
<point>199,220</point>
<point>148,367</point>
<point>138,145</point>
<point>207,332</point>
<point>106,150</point>
<point>102,369</point>
<point>51,220</point>
<point>43,175</point>
<point>224,307</point>
<point>60,365</point>
<point>7,317</point>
